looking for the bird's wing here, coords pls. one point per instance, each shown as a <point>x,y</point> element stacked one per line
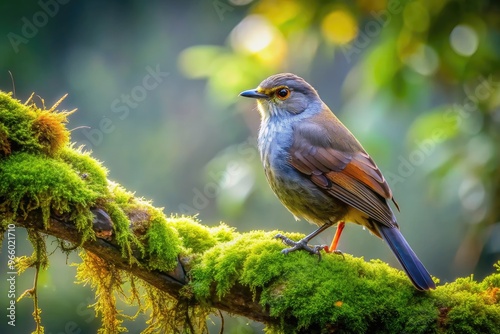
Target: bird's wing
<point>352,177</point>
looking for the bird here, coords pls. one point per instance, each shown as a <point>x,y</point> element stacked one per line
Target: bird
<point>321,173</point>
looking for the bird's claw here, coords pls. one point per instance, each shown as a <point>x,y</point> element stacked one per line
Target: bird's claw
<point>301,244</point>
<point>335,251</point>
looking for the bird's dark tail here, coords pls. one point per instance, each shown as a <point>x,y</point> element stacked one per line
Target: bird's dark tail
<point>408,259</point>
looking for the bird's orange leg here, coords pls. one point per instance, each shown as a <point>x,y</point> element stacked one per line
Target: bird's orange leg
<point>336,238</point>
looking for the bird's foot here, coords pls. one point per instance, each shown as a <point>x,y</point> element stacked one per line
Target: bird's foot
<point>300,245</point>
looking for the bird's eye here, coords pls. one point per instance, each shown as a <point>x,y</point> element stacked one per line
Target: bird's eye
<point>283,93</point>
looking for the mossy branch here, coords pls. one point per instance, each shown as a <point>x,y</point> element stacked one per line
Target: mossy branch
<point>179,270</point>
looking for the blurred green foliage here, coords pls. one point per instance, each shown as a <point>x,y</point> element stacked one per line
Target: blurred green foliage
<point>416,81</point>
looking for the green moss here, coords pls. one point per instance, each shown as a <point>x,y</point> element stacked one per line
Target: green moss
<point>49,131</point>
<point>163,245</point>
<point>224,263</point>
<point>195,238</point>
<point>30,129</point>
<point>344,292</point>
<point>4,141</point>
<point>29,182</point>
<point>18,119</point>
<point>121,196</point>
<point>88,169</point>
<point>354,295</point>
<point>470,306</point>
<point>223,232</point>
<point>121,227</point>
<point>493,281</point>
<point>40,172</point>
<point>120,204</point>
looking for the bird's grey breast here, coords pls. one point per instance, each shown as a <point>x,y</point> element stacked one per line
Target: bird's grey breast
<point>275,140</point>
<point>294,189</point>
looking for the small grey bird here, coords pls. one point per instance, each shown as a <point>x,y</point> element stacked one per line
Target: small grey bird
<point>321,173</point>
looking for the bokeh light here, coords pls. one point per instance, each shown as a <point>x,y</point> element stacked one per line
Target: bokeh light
<point>252,34</point>
<point>339,27</point>
<point>471,193</point>
<point>479,150</point>
<point>424,61</point>
<point>255,35</point>
<point>464,40</point>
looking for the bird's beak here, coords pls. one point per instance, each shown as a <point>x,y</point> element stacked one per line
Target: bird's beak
<point>254,93</point>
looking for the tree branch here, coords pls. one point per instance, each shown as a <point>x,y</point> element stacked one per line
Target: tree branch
<point>239,301</point>
<point>288,280</point>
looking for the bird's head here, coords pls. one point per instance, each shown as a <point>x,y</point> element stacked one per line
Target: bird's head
<point>284,95</point>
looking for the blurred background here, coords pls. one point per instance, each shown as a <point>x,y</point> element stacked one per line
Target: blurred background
<point>156,85</point>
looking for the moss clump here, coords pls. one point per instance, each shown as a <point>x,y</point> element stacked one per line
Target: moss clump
<point>30,182</point>
<point>224,264</point>
<point>348,293</point>
<point>154,237</point>
<point>49,130</point>
<point>197,238</point>
<point>223,232</point>
<point>163,245</point>
<point>17,120</point>
<point>468,306</point>
<point>87,168</point>
<point>150,232</point>
<point>27,128</point>
<point>356,296</point>
<point>33,175</point>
